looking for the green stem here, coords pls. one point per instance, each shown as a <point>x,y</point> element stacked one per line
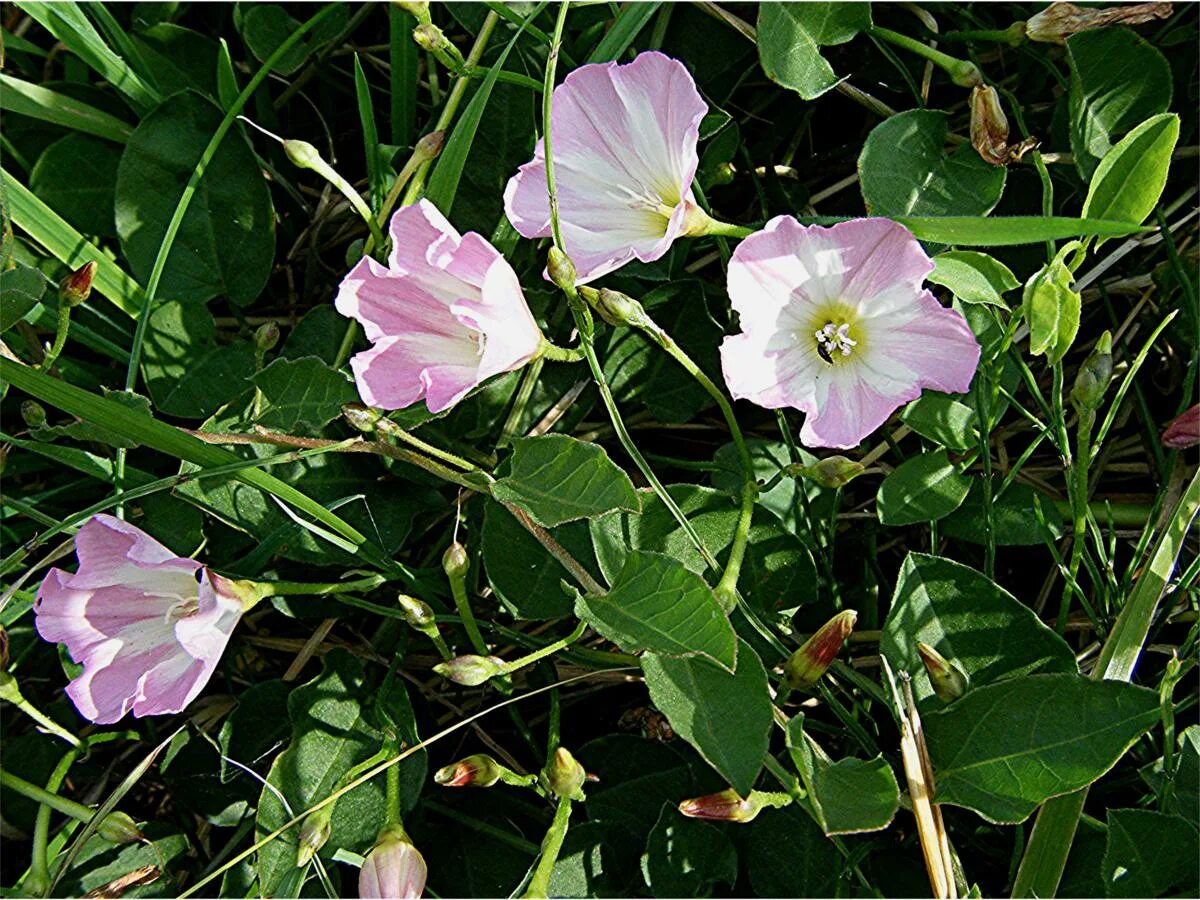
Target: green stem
<point>318,589</point>
<point>458,587</point>
<point>983,410</point>
<point>420,156</point>
<point>60,336</point>
<point>453,101</point>
<point>548,650</point>
<point>1079,504</point>
<point>554,353</point>
<point>717,228</point>
<point>330,174</point>
<point>387,426</point>
<point>47,798</point>
<point>38,879</point>
<point>961,71</point>
<point>394,810</point>
<point>10,692</point>
<point>539,884</point>
<point>726,589</point>
<point>1013,35</point>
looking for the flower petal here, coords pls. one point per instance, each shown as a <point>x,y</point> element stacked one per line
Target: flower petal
<point>932,341</point>
<point>852,407</point>
<point>878,254</point>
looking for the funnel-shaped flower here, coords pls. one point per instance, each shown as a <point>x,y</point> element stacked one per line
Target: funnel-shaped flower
<point>394,869</point>
<point>1183,431</point>
<point>624,144</point>
<point>147,626</point>
<point>444,315</point>
<point>835,323</point>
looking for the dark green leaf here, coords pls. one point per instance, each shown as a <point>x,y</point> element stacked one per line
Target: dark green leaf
<point>971,621</point>
<point>923,488</point>
<point>905,171</point>
<point>727,717</point>
<point>1014,518</point>
<point>658,605</point>
<point>77,177</point>
<point>21,287</point>
<point>791,35</point>
<point>558,479</point>
<point>944,420</point>
<point>1004,749</point>
<point>630,20</point>
<point>226,242</point>
<point>100,863</point>
<point>265,26</point>
<point>301,395</point>
<point>1150,854</point>
<point>788,856</point>
<point>684,856</point>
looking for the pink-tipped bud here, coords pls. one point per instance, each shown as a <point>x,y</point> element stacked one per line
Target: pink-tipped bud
<point>564,776</point>
<point>1183,431</point>
<point>479,770</point>
<point>455,561</point>
<point>948,681</point>
<point>266,336</point>
<point>1058,21</point>
<point>470,670</point>
<point>430,146</point>
<point>77,286</point>
<point>805,667</point>
<point>393,869</point>
<point>725,806</point>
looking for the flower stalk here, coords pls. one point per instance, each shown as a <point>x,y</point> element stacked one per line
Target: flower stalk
<point>116,827</point>
<point>72,291</point>
<point>962,72</point>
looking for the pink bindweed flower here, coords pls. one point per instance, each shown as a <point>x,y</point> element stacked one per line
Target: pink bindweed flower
<point>147,626</point>
<point>1183,431</point>
<point>624,144</point>
<point>444,315</point>
<point>393,869</point>
<point>835,323</point>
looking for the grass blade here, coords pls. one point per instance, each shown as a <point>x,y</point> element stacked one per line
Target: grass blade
<point>370,134</point>
<point>625,27</point>
<point>50,106</point>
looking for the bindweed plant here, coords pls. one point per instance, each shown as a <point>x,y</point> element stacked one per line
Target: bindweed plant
<point>646,449</point>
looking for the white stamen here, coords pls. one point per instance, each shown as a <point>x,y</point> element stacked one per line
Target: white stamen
<point>835,339</point>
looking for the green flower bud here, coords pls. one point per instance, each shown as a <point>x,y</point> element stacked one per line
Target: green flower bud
<point>417,613</point>
<point>430,146</point>
<point>418,9</point>
<point>564,776</point>
<point>479,770</point>
<point>455,561</point>
<point>560,269</point>
<point>361,418</point>
<point>722,174</point>
<point>470,670</point>
<point>266,337</point>
<point>616,308</point>
<point>830,472</point>
<point>1093,377</point>
<point>118,828</point>
<point>948,681</point>
<point>429,37</point>
<point>314,832</point>
<point>77,286</point>
<point>33,413</point>
<point>304,155</point>
<point>10,691</point>
<point>805,667</point>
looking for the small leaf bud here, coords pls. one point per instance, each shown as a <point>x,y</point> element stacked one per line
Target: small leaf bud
<point>805,667</point>
<point>314,832</point>
<point>304,155</point>
<point>1093,377</point>
<point>560,269</point>
<point>430,146</point>
<point>479,770</point>
<point>470,670</point>
<point>616,308</point>
<point>948,681</point>
<point>564,776</point>
<point>77,286</point>
<point>830,472</point>
<point>118,828</point>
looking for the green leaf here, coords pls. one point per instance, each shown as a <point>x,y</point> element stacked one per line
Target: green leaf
<point>849,796</point>
<point>558,479</point>
<point>1132,175</point>
<point>1004,231</point>
<point>187,372</point>
<point>301,394</point>
<point>626,26</point>
<point>904,170</point>
<point>1052,307</point>
<point>100,863</point>
<point>1014,518</point>
<point>685,856</point>
<point>1004,749</point>
<point>21,287</point>
<point>254,728</point>
<point>178,58</point>
<point>226,242</point>
<point>943,419</point>
<point>658,605</point>
<point>77,176</point>
<point>59,109</point>
<point>1117,81</point>
<point>726,716</point>
<point>787,855</point>
<point>1150,854</point>
<point>265,26</point>
<point>791,35</point>
<point>973,277</point>
<point>526,578</point>
<point>923,488</point>
<point>971,621</point>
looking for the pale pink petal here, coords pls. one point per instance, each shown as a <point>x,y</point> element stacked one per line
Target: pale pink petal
<point>625,154</point>
<point>1183,431</point>
<point>851,408</point>
<point>934,342</point>
<point>397,371</point>
<point>764,368</point>
<point>878,253</point>
<point>111,551</point>
<point>393,870</point>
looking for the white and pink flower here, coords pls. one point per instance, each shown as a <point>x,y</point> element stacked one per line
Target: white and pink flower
<point>147,626</point>
<point>444,315</point>
<point>835,322</point>
<point>624,143</point>
<point>394,868</point>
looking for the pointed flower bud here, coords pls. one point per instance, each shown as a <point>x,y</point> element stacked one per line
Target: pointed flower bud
<point>830,472</point>
<point>394,868</point>
<point>362,418</point>
<point>33,413</point>
<point>948,681</point>
<point>1183,431</point>
<point>564,776</point>
<point>119,828</point>
<point>266,337</point>
<point>805,667</point>
<point>1094,376</point>
<point>314,832</point>
<point>616,308</point>
<point>1058,21</point>
<point>470,670</point>
<point>417,613</point>
<point>430,146</point>
<point>560,269</point>
<point>724,806</point>
<point>455,561</point>
<point>77,286</point>
<point>479,770</point>
<point>304,155</point>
